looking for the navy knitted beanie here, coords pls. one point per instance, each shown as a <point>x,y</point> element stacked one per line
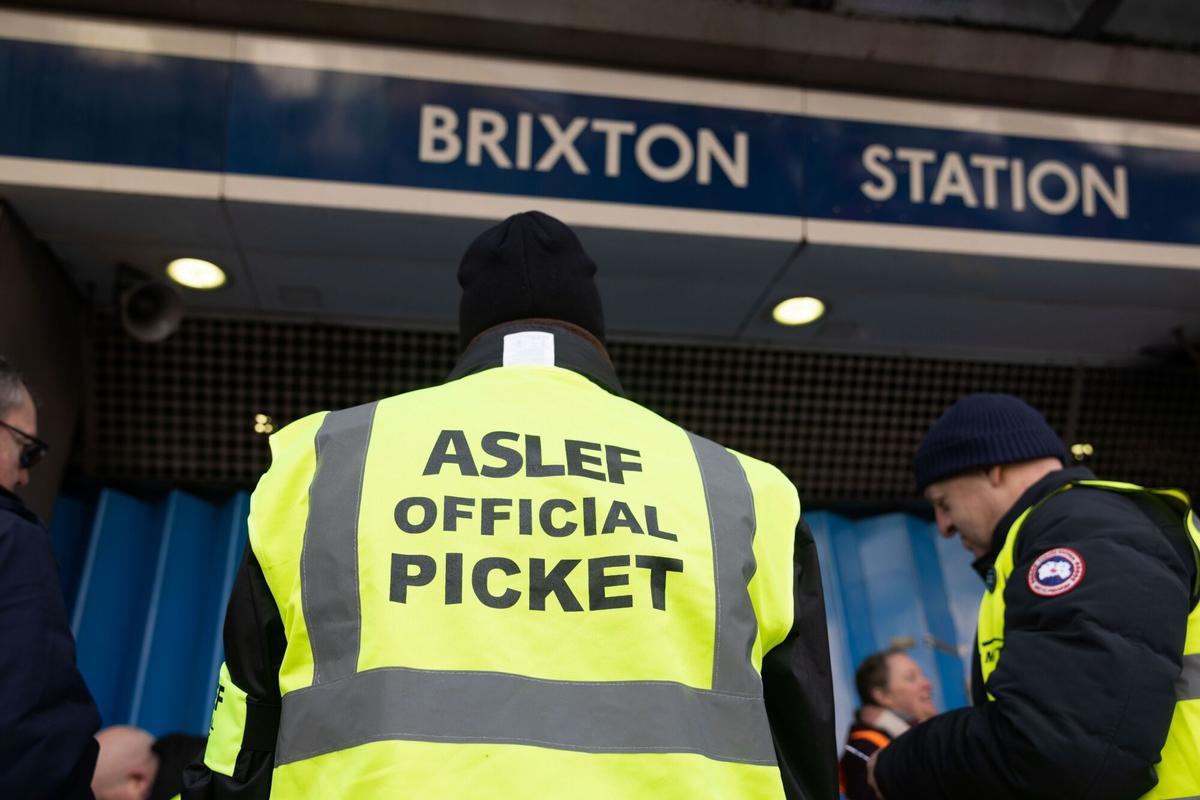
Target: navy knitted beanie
<point>981,431</point>
<point>530,266</point>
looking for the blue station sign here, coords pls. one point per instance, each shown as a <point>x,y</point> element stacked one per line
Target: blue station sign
<point>307,122</point>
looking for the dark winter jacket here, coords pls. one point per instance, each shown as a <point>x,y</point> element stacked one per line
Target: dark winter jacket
<point>1084,686</point>
<point>47,717</point>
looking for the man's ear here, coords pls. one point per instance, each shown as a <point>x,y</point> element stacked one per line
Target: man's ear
<point>995,476</point>
<point>877,697</point>
<point>142,780</point>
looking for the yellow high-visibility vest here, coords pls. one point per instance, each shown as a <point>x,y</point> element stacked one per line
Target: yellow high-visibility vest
<point>520,583</point>
<point>1179,765</point>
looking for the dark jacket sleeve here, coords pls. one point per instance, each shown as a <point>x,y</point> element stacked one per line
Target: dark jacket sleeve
<point>1084,686</point>
<point>254,646</point>
<point>853,770</point>
<point>47,718</point>
<point>799,688</point>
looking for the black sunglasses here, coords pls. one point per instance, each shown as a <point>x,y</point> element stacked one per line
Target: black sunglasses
<point>32,451</point>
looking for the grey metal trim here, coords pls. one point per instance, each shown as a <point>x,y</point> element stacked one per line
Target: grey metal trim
<point>1187,685</point>
<point>331,603</point>
<point>732,522</point>
<point>398,703</point>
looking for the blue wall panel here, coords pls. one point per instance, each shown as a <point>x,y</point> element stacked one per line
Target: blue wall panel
<point>941,635</point>
<point>893,579</point>
<point>183,618</point>
<point>152,589</point>
<point>233,533</point>
<point>840,660</point>
<point>69,534</point>
<point>114,598</point>
<point>963,590</point>
<point>859,628</point>
<point>893,590</point>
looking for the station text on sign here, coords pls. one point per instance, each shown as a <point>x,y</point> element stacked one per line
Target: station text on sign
<point>993,181</point>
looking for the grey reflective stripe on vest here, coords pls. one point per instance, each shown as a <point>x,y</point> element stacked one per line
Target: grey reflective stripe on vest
<point>331,607</point>
<point>344,708</point>
<point>731,520</point>
<point>1187,685</point>
<point>498,708</point>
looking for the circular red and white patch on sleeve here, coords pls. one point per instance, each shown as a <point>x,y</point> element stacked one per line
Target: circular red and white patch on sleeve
<point>1056,572</point>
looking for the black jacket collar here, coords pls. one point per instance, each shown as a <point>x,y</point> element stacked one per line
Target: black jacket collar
<point>571,351</point>
<point>10,502</point>
<point>1033,495</point>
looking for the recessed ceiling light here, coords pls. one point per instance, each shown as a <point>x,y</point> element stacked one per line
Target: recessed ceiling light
<point>196,273</point>
<point>798,311</point>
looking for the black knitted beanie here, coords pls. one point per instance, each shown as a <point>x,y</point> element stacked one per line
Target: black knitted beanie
<point>981,431</point>
<point>530,266</point>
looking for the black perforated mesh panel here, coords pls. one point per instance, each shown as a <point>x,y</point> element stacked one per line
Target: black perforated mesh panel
<point>1144,425</point>
<point>842,427</point>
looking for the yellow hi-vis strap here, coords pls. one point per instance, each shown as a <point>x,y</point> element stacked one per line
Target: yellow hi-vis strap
<point>1179,767</point>
<point>990,630</point>
<point>228,726</point>
<point>344,707</point>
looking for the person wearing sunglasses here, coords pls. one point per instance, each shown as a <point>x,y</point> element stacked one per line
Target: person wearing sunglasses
<point>30,451</point>
<point>47,716</point>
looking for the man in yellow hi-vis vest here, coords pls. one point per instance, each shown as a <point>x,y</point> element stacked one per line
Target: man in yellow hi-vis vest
<point>521,584</point>
<point>1087,663</point>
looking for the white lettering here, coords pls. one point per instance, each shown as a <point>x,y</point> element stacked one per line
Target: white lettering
<point>438,126</point>
<point>613,130</point>
<point>490,138</point>
<point>524,140</point>
<point>952,180</point>
<point>873,159</point>
<point>975,176</point>
<point>990,165</point>
<point>916,158</point>
<point>485,130</point>
<point>1116,196</point>
<point>562,144</point>
<point>735,167</point>
<point>647,164</point>
<point>1037,192</point>
<point>1018,184</point>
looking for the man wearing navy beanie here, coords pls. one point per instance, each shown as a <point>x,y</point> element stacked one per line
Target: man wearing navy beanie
<point>1085,680</point>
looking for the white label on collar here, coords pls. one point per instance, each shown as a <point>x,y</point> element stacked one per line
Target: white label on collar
<point>529,348</point>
